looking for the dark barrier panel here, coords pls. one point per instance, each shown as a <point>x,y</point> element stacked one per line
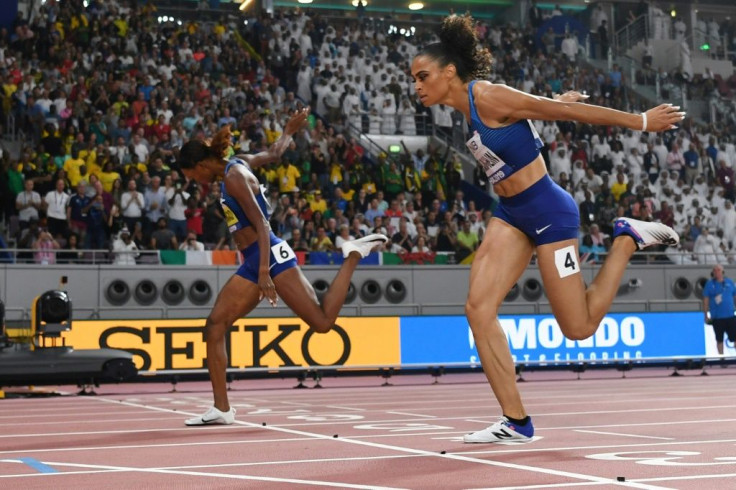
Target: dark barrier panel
<point>370,291</point>
<point>352,293</point>
<point>200,292</point>
<point>117,292</point>
<point>173,292</point>
<point>513,293</point>
<point>320,288</point>
<point>146,292</point>
<point>699,285</point>
<point>395,291</point>
<point>532,290</point>
<point>681,288</point>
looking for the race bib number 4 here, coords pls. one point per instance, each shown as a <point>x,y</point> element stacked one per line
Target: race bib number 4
<point>282,252</point>
<point>566,261</point>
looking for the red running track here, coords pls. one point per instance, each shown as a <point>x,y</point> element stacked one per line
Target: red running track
<point>653,430</point>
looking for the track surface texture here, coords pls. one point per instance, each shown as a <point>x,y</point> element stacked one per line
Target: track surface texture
<point>647,430</point>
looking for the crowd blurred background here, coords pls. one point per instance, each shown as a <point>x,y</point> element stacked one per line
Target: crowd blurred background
<point>102,95</point>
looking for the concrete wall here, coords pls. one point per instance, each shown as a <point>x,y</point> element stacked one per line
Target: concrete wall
<point>428,290</point>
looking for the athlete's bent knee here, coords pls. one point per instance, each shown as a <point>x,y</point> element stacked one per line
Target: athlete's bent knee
<point>577,331</point>
<point>479,314</point>
<point>322,326</point>
<point>214,330</point>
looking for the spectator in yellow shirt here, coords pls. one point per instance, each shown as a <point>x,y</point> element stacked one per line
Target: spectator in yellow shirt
<point>318,204</point>
<point>287,175</point>
<point>71,166</point>
<point>108,176</point>
<point>618,187</point>
<point>321,242</point>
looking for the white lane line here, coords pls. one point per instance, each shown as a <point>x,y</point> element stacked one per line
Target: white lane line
<point>687,477</point>
<point>420,415</point>
<point>219,475</point>
<point>126,431</point>
<point>546,485</point>
<point>546,471</point>
<point>350,409</point>
<point>624,435</point>
<point>94,421</point>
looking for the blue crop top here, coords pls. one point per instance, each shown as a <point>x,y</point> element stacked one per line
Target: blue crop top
<point>234,214</point>
<point>501,151</point>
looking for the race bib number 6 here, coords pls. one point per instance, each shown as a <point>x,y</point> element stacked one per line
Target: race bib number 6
<point>282,252</point>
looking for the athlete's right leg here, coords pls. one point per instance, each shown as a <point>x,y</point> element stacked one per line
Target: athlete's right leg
<point>499,262</point>
<point>236,299</point>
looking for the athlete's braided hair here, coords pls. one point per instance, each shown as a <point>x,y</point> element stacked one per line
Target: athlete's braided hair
<point>194,151</point>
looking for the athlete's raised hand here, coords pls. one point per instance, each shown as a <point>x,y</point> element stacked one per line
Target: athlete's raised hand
<point>297,121</point>
<point>662,117</point>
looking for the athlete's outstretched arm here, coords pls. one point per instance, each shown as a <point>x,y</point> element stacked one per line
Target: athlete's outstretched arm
<point>274,152</point>
<point>501,103</point>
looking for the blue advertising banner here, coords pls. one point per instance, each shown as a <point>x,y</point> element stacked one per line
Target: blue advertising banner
<point>538,338</point>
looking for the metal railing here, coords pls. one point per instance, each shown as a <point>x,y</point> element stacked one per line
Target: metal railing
<point>632,33</point>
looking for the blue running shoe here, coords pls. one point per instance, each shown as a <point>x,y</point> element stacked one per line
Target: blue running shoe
<point>644,233</point>
<point>502,431</point>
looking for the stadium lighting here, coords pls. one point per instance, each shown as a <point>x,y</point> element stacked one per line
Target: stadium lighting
<point>304,1</point>
<point>705,47</point>
<point>416,6</point>
<point>673,13</point>
<point>355,3</point>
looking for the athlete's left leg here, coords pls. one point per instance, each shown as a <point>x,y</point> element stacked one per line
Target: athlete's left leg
<point>577,310</point>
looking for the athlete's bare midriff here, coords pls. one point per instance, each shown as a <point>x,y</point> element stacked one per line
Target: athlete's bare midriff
<point>521,179</point>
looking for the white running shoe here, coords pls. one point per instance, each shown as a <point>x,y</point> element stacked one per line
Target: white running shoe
<point>502,431</point>
<point>363,246</point>
<point>213,416</point>
<point>645,233</point>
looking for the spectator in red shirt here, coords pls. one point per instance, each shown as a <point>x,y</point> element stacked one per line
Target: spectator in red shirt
<point>195,216</point>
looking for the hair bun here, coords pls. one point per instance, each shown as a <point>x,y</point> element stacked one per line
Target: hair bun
<point>458,32</point>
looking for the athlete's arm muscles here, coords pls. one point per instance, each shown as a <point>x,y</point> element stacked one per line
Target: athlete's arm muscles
<point>236,184</point>
<point>501,103</point>
<point>274,152</point>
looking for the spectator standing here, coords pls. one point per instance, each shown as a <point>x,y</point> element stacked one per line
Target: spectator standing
<point>163,238</point>
<point>718,305</point>
<point>27,203</point>
<point>177,205</point>
<point>55,203</point>
<point>45,247</point>
<point>124,249</point>
<point>132,204</point>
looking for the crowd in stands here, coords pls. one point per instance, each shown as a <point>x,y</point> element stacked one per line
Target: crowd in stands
<point>104,95</point>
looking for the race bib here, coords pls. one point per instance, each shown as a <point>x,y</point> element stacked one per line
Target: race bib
<point>489,161</point>
<point>230,217</point>
<point>282,252</point>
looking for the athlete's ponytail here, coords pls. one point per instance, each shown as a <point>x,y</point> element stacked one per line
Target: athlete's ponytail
<point>459,46</point>
<point>195,151</point>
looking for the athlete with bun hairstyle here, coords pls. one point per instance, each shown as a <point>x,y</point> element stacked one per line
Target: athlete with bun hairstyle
<point>534,214</point>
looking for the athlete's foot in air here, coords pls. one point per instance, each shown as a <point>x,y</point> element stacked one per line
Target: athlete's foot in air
<point>364,246</point>
<point>644,233</point>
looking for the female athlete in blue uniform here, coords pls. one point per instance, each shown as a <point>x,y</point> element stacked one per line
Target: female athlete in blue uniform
<point>534,212</point>
<point>269,264</point>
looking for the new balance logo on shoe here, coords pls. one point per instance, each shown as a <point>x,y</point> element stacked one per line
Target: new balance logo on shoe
<point>503,434</point>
